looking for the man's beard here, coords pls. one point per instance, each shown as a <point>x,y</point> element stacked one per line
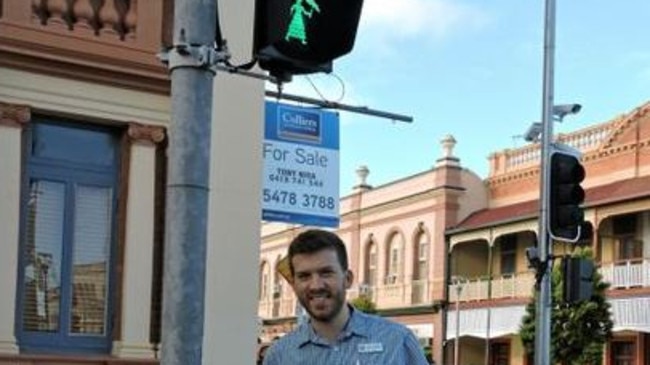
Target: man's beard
<point>337,303</point>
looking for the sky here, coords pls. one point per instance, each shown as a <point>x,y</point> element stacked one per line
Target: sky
<point>474,69</point>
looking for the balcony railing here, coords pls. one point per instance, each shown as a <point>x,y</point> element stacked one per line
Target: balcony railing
<point>528,156</point>
<point>471,290</point>
<point>627,274</point>
<point>79,37</point>
<point>420,292</point>
<point>282,305</point>
<point>518,285</point>
<point>622,275</point>
<point>385,297</point>
<point>112,18</point>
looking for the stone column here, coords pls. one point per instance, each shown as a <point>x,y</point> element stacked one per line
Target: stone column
<point>138,244</point>
<point>12,119</point>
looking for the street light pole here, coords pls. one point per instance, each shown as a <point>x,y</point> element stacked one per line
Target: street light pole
<point>188,182</point>
<point>543,310</point>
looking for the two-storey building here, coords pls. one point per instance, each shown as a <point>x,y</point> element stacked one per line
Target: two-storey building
<point>487,250</point>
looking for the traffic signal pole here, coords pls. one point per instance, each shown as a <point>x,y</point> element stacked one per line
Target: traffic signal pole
<point>188,182</point>
<point>543,284</point>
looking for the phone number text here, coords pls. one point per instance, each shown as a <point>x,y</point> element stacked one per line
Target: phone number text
<point>295,199</point>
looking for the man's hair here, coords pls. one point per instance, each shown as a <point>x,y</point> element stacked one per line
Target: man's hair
<point>316,240</point>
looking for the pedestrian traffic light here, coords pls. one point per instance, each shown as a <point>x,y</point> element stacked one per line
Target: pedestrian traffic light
<point>303,36</point>
<point>577,279</point>
<point>566,194</point>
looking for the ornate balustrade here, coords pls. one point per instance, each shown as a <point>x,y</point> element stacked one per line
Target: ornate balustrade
<point>621,275</point>
<point>420,292</point>
<point>528,156</point>
<point>107,18</point>
<point>519,285</point>
<point>627,274</point>
<point>264,308</point>
<point>471,290</point>
<point>109,41</point>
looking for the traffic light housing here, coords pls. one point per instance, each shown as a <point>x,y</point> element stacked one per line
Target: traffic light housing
<point>577,279</point>
<point>565,195</point>
<point>586,236</point>
<point>303,36</point>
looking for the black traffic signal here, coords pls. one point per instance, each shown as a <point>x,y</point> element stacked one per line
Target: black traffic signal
<point>578,279</point>
<point>586,236</point>
<point>303,36</point>
<point>566,195</point>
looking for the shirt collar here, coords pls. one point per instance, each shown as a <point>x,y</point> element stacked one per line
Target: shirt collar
<point>356,325</point>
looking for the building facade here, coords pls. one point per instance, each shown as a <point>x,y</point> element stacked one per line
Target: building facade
<point>396,244</point>
<point>84,124</point>
<point>443,252</point>
<point>487,250</point>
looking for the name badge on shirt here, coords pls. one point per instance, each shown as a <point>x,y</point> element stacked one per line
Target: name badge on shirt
<point>370,347</point>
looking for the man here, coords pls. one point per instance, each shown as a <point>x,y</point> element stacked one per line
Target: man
<point>261,353</point>
<point>336,333</point>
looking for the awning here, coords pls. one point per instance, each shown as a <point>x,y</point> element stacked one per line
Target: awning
<point>503,321</point>
<point>629,314</point>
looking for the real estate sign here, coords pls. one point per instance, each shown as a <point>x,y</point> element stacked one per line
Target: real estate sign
<point>301,165</point>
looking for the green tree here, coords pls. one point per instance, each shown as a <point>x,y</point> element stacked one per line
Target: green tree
<point>364,303</point>
<point>578,332</point>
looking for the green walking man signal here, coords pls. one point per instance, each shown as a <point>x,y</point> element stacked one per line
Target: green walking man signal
<point>295,37</point>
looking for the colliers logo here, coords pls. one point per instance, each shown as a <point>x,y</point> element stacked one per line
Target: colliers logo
<point>299,125</point>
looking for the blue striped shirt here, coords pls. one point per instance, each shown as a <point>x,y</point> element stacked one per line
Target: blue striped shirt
<point>365,340</point>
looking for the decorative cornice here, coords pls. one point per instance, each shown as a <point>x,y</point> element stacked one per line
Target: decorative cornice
<point>14,115</point>
<point>623,123</point>
<point>513,176</point>
<point>144,133</point>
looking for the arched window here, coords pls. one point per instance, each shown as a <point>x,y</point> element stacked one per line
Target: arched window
<point>394,262</point>
<point>421,255</point>
<point>264,281</point>
<point>277,281</point>
<point>277,289</point>
<point>371,264</point>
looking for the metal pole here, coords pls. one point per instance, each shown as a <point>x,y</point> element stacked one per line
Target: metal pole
<point>187,187</point>
<point>345,107</point>
<point>459,289</point>
<point>543,324</point>
<point>486,361</point>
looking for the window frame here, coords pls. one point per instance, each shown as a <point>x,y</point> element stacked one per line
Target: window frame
<point>625,341</point>
<point>422,258</point>
<point>496,355</point>
<point>394,259</point>
<point>371,263</point>
<point>71,174</point>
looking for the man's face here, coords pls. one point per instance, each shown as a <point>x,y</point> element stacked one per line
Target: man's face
<point>320,282</point>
